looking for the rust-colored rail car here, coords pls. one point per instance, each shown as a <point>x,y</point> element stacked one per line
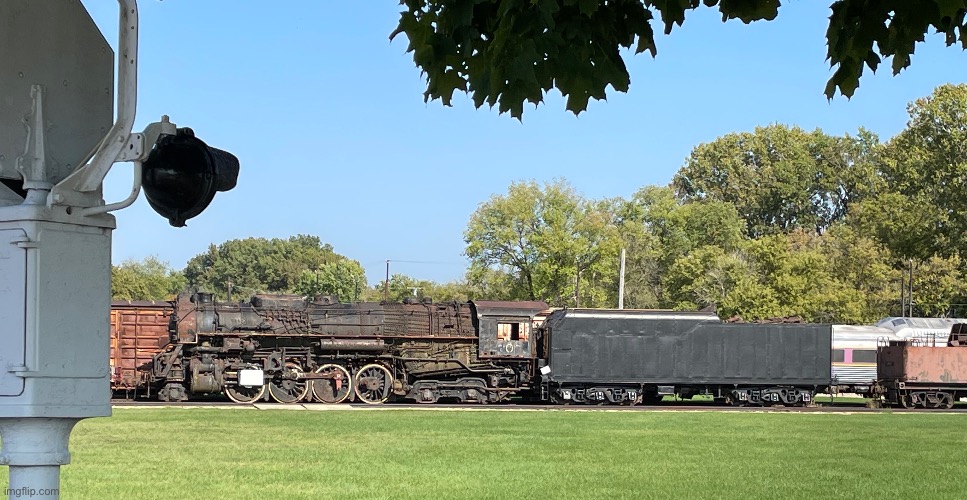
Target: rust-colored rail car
<point>139,330</point>
<point>912,375</point>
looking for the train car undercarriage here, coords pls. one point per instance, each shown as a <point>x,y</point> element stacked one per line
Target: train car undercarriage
<point>246,373</point>
<point>631,394</point>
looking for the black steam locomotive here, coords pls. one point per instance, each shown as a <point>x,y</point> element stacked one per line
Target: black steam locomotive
<point>289,349</point>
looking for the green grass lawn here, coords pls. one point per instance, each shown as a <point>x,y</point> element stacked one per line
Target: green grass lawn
<point>234,454</point>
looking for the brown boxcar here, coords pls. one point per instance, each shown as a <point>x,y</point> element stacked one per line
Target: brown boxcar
<point>913,375</point>
<point>139,330</point>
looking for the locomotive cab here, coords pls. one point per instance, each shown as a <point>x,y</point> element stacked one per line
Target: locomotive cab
<point>505,330</point>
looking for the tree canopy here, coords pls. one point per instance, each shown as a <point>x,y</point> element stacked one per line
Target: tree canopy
<point>508,52</point>
<point>782,178</point>
<point>150,279</point>
<point>259,265</point>
<point>538,241</point>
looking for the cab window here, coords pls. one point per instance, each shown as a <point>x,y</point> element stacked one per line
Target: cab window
<point>512,331</point>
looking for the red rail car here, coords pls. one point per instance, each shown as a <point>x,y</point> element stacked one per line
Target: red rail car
<point>139,330</point>
<point>912,374</point>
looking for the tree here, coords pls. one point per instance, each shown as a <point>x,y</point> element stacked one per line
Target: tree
<point>938,284</point>
<point>506,52</point>
<point>925,167</point>
<point>542,241</point>
<point>403,287</point>
<point>780,178</point>
<point>863,264</point>
<point>658,229</point>
<point>254,265</point>
<point>150,279</point>
<point>343,278</point>
<point>792,271</point>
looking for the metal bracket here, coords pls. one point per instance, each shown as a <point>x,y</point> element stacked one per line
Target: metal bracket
<point>133,149</point>
<point>22,240</point>
<point>76,188</point>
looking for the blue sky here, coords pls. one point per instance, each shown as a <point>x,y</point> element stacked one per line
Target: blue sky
<point>328,119</point>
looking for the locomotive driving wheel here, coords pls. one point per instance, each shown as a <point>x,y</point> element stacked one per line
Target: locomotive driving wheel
<point>336,387</point>
<point>244,395</point>
<point>373,384</point>
<point>286,386</point>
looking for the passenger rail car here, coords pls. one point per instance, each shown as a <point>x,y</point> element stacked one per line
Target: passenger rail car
<point>854,354</point>
<point>932,329</point>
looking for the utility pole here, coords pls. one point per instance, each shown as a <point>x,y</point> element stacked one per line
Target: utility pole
<point>621,281</point>
<point>903,295</point>
<point>910,292</point>
<point>386,284</point>
<point>577,286</point>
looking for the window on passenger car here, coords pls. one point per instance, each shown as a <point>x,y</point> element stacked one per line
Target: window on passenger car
<point>839,355</point>
<point>864,356</point>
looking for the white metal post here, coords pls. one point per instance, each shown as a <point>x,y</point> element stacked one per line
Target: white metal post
<point>55,259</point>
<point>621,281</point>
<point>35,448</point>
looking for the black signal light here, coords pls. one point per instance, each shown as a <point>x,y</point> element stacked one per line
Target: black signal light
<point>182,174</point>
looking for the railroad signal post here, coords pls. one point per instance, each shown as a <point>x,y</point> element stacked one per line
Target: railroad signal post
<point>58,140</point>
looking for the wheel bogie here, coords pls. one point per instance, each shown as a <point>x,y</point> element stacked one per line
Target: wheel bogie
<point>924,398</point>
<point>464,390</point>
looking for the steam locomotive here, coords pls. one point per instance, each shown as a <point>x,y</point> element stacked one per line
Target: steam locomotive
<point>290,349</point>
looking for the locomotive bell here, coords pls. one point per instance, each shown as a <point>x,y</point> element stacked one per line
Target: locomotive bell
<point>182,174</point>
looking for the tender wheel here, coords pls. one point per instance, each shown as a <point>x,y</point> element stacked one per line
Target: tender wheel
<point>244,395</point>
<point>286,387</point>
<point>336,387</point>
<point>373,384</point>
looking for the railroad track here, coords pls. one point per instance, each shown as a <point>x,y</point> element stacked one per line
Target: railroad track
<point>667,407</point>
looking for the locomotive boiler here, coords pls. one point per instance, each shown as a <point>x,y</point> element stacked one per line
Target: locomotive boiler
<point>291,349</point>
